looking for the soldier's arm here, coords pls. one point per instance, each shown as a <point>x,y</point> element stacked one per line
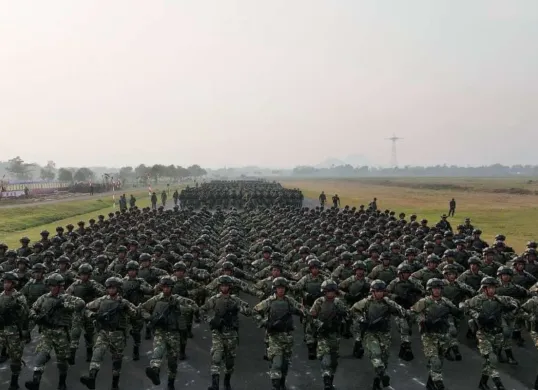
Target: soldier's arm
<point>344,284</point>
<point>94,305</point>
<point>244,307</point>
<point>299,285</point>
<point>316,307</point>
<point>145,287</point>
<point>98,288</point>
<point>23,310</point>
<point>147,307</point>
<point>260,309</point>
<point>419,307</point>
<point>132,310</point>
<point>70,289</point>
<point>208,306</point>
<point>74,303</point>
<point>396,309</point>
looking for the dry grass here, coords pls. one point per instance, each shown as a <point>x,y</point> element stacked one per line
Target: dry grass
<point>495,213</point>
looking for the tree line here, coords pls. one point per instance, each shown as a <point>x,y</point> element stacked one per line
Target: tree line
<point>19,169</point>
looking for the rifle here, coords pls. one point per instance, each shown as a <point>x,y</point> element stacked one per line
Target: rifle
<point>219,321</point>
<point>47,317</point>
<point>157,319</point>
<point>103,319</point>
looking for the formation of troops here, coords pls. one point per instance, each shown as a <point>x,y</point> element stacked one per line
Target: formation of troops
<point>240,194</point>
<point>345,273</point>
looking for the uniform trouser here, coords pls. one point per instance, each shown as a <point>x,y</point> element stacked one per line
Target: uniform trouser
<point>136,329</point>
<point>169,343</point>
<point>115,342</point>
<point>435,346</point>
<point>488,344</point>
<point>453,330</point>
<point>279,353</point>
<point>509,325</point>
<point>377,347</point>
<point>451,212</point>
<point>57,339</point>
<point>534,337</point>
<point>79,323</point>
<point>404,328</point>
<point>327,352</point>
<point>223,351</point>
<point>11,339</point>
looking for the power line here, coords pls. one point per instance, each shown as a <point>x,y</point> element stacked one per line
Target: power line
<point>394,155</point>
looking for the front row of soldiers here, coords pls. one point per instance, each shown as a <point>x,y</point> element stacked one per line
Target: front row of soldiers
<point>166,313</point>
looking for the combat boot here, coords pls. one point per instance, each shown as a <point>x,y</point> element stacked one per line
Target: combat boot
<point>516,336</point>
<point>136,353</point>
<point>283,383</point>
<point>148,334</point>
<point>439,385</point>
<point>429,384</point>
<point>406,353</point>
<point>483,385</point>
<point>89,380</point>
<point>448,355</point>
<point>14,384</point>
<point>275,384</point>
<point>215,381</point>
<point>510,357</point>
<point>61,381</point>
<point>189,332</point>
<point>457,353</point>
<point>115,382</point>
<point>182,355</point>
<point>377,384</point>
<point>358,350</point>
<point>327,384</point>
<point>34,383</point>
<point>89,353</point>
<point>385,380</point>
<point>153,374</point>
<point>227,384</point>
<point>498,383</point>
<point>3,355</point>
<point>72,356</point>
<point>311,351</point>
<point>171,385</point>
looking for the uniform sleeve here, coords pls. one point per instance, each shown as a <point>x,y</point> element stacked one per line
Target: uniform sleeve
<point>74,303</point>
<point>132,310</point>
<point>99,288</point>
<point>94,305</point>
<point>147,307</point>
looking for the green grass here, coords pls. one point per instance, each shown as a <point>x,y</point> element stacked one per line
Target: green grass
<point>30,221</point>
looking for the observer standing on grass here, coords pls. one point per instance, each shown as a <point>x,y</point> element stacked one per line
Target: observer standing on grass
<point>452,207</point>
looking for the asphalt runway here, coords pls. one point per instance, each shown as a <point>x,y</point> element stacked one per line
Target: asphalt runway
<point>252,371</point>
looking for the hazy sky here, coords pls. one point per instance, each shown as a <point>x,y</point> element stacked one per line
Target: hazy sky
<point>273,83</point>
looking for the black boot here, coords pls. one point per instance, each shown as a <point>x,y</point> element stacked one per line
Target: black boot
<point>358,350</point>
<point>34,383</point>
<point>510,357</point>
<point>311,351</point>
<point>61,381</point>
<point>89,380</point>
<point>148,334</point>
<point>377,384</point>
<point>483,385</point>
<point>327,384</point>
<point>429,384</point>
<point>189,331</point>
<point>153,374</point>
<point>448,355</point>
<point>72,355</point>
<point>283,383</point>
<point>227,384</point>
<point>406,353</point>
<point>3,355</point>
<point>516,336</point>
<point>385,380</point>
<point>500,356</point>
<point>136,353</point>
<point>275,384</point>
<point>115,382</point>
<point>439,385</point>
<point>536,383</point>
<point>89,353</point>
<point>457,353</point>
<point>182,355</point>
<point>215,381</point>
<point>498,383</point>
<point>14,384</point>
<point>171,384</point>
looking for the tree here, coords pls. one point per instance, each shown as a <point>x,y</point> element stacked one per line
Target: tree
<point>182,172</point>
<point>20,169</point>
<point>125,173</point>
<point>65,174</point>
<point>196,171</point>
<point>48,172</point>
<point>83,174</point>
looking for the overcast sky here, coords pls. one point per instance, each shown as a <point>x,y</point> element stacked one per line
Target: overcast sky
<point>274,83</point>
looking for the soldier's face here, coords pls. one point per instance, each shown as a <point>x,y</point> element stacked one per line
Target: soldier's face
<point>224,288</point>
<point>405,275</point>
<point>275,272</point>
<point>490,290</point>
<point>378,294</point>
<point>84,277</point>
<point>451,276</point>
<point>314,270</point>
<point>112,290</point>
<point>330,295</point>
<point>8,285</point>
<point>506,278</point>
<point>167,290</point>
<point>280,291</point>
<point>436,292</point>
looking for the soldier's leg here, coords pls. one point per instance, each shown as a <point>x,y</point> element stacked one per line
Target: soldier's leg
<point>310,340</point>
<point>373,349</point>
<point>432,348</point>
<point>358,349</point>
<point>61,344</point>
<point>506,345</point>
<point>15,347</point>
<point>99,349</point>
<point>136,333</point>
<point>76,331</point>
<point>89,334</point>
<point>173,345</point>
<point>534,337</point>
<point>385,343</point>
<point>159,349</point>
<point>487,345</point>
<point>275,354</point>
<point>404,328</point>
<point>217,352</point>
<point>42,356</point>
<point>453,343</point>
<point>118,340</point>
<point>189,318</point>
<point>230,352</point>
<point>516,334</point>
<point>266,342</point>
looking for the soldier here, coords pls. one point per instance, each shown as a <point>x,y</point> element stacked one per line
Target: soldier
<point>33,290</point>
<point>373,316</point>
<point>111,313</point>
<point>13,325</point>
<point>164,314</point>
<point>53,312</point>
<point>328,313</point>
<point>530,309</point>
<point>275,315</point>
<point>87,290</point>
<point>100,273</point>
<point>433,313</point>
<point>224,330</point>
<point>486,311</point>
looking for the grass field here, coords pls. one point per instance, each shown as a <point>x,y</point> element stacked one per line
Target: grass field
<point>488,202</point>
<point>29,221</point>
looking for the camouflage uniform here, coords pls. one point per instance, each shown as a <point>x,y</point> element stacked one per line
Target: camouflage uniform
<point>53,312</point>
<point>530,308</point>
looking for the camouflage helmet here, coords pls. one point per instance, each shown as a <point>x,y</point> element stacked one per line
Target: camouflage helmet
<point>411,251</point>
<point>304,250</point>
<point>280,282</point>
<point>433,258</point>
<point>144,257</point>
<point>225,280</point>
<point>11,276</point>
<point>504,270</point>
<point>180,266</point>
<point>64,260</point>
<point>405,268</point>
<point>113,282</point>
<point>346,256</point>
<point>85,269</point>
<point>11,253</point>
<point>158,248</point>
<point>314,263</point>
<point>132,266</point>
<point>166,281</point>
<point>449,253</point>
<point>39,267</point>
<point>435,283</point>
<point>101,259</point>
<point>450,268</point>
<point>489,281</point>
<point>187,257</point>
<point>359,265</point>
<point>329,285</point>
<point>474,260</point>
<point>228,265</point>
<point>122,248</point>
<point>311,257</point>
<point>267,249</point>
<point>231,258</point>
<point>378,285</point>
<point>55,279</point>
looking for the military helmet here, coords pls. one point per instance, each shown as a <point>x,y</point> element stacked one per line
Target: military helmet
<point>434,283</point>
<point>113,282</point>
<point>267,249</point>
<point>329,285</point>
<point>39,267</point>
<point>450,268</point>
<point>122,248</point>
<point>180,266</point>
<point>359,265</point>
<point>277,264</point>
<point>187,257</point>
<point>231,257</point>
<point>85,269</point>
<point>11,253</point>
<point>505,271</point>
<point>225,279</point>
<point>228,265</point>
<point>378,285</point>
<point>64,259</point>
<point>489,281</point>
<point>144,257</point>
<point>405,268</point>
<point>166,281</point>
<point>11,276</point>
<point>474,260</point>
<point>449,253</point>
<point>304,250</point>
<point>158,248</point>
<point>280,282</point>
<point>433,258</point>
<point>314,263</point>
<point>346,256</point>
<point>101,259</point>
<point>132,266</point>
<point>55,280</point>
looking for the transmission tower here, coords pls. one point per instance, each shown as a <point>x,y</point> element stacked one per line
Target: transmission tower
<point>394,155</point>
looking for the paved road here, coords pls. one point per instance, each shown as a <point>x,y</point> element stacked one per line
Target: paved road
<point>251,369</point>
